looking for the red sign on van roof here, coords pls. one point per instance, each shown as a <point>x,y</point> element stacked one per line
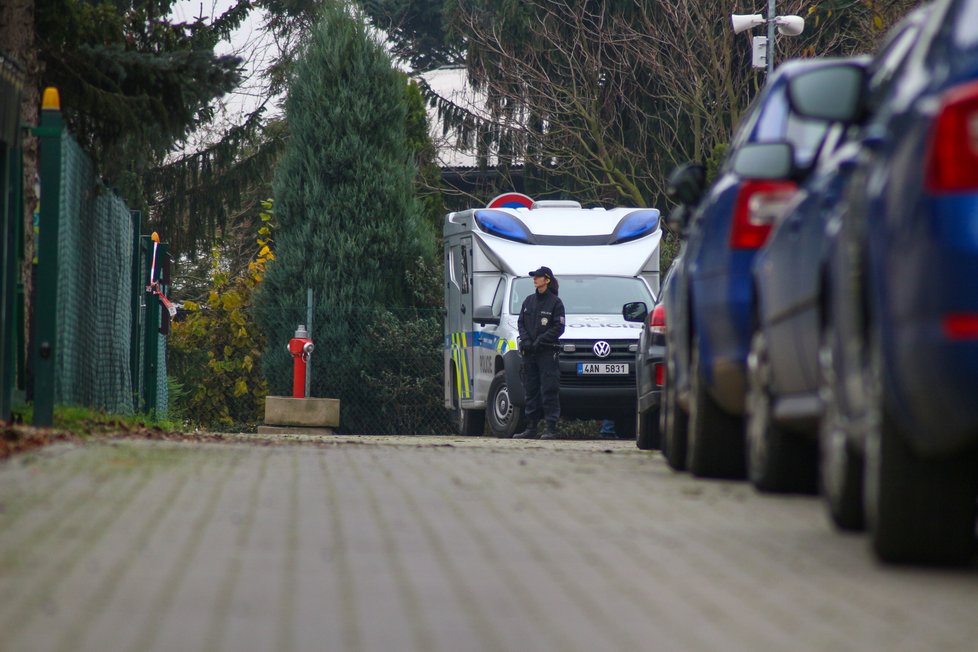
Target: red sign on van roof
<point>511,200</point>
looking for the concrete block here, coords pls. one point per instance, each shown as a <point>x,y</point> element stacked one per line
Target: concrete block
<point>293,430</point>
<point>309,412</point>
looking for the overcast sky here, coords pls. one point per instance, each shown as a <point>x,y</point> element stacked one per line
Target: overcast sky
<point>247,42</point>
<point>256,49</point>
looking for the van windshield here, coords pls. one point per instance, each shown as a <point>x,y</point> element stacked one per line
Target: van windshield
<point>587,295</point>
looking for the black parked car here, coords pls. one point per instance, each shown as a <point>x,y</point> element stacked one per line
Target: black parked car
<point>650,370</point>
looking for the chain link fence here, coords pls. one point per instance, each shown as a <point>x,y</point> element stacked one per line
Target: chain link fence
<point>384,365</point>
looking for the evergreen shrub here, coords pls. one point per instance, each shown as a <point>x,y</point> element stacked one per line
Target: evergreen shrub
<point>349,223</point>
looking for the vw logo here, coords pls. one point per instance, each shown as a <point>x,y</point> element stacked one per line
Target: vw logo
<point>602,349</point>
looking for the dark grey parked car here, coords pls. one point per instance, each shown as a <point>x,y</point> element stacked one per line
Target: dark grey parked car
<point>649,370</point>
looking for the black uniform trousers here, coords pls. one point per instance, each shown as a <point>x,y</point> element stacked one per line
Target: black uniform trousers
<point>541,379</point>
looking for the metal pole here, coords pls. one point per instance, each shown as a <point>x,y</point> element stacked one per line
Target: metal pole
<point>771,15</point>
<point>136,293</point>
<point>151,338</point>
<point>310,331</point>
<point>44,342</point>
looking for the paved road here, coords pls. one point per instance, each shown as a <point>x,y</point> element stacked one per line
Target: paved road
<point>437,544</point>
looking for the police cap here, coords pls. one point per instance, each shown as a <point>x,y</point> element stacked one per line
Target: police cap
<point>543,271</point>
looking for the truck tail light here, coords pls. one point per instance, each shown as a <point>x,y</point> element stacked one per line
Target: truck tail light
<point>657,320</point>
<point>660,374</point>
<point>952,153</point>
<point>758,205</point>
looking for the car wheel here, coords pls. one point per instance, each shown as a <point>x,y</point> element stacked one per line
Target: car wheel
<point>647,430</point>
<point>777,461</point>
<point>841,465</point>
<point>673,423</point>
<point>918,510</point>
<point>470,423</point>
<point>716,439</point>
<point>504,418</point>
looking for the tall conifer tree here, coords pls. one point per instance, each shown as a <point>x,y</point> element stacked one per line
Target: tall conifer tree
<point>349,222</point>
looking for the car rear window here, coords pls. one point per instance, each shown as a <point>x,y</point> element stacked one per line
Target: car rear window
<point>777,122</point>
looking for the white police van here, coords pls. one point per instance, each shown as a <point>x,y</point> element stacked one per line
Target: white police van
<point>602,258</point>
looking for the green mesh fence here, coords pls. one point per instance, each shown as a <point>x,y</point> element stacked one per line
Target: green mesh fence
<point>77,180</point>
<point>95,255</point>
<point>162,391</point>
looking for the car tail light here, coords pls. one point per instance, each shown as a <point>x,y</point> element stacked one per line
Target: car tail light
<point>758,205</point>
<point>657,320</point>
<point>961,326</point>
<point>660,374</point>
<point>952,154</point>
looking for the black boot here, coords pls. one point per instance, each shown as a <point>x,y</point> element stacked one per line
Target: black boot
<point>550,432</point>
<point>531,431</point>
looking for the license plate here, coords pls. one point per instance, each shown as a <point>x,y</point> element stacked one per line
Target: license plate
<point>602,368</point>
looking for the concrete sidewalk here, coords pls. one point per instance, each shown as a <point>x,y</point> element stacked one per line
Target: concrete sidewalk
<point>436,544</point>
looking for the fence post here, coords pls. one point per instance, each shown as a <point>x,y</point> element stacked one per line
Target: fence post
<point>44,342</point>
<point>311,335</point>
<point>8,268</point>
<point>11,85</point>
<point>151,336</point>
<point>136,293</point>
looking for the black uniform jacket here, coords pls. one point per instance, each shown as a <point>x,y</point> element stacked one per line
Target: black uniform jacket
<point>541,320</point>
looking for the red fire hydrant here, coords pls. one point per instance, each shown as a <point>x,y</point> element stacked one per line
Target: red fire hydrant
<point>300,348</point>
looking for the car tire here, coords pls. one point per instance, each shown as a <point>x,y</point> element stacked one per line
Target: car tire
<point>777,461</point>
<point>917,510</point>
<point>673,422</point>
<point>840,465</point>
<point>647,430</point>
<point>716,439</point>
<point>504,418</point>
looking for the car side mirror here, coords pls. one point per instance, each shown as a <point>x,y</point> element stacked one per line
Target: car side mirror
<point>678,219</point>
<point>482,315</point>
<point>636,311</point>
<point>835,93</point>
<point>686,184</point>
<point>764,161</point>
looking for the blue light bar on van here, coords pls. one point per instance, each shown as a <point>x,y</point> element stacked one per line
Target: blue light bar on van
<point>503,225</point>
<point>635,225</point>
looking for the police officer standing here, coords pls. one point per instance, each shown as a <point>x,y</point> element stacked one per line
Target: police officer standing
<point>541,323</point>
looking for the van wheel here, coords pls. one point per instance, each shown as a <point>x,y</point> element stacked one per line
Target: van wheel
<point>505,419</point>
<point>716,444</point>
<point>470,423</point>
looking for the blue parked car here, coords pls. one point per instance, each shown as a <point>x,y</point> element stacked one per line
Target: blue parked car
<point>783,406</point>
<point>900,354</point>
<point>708,298</point>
